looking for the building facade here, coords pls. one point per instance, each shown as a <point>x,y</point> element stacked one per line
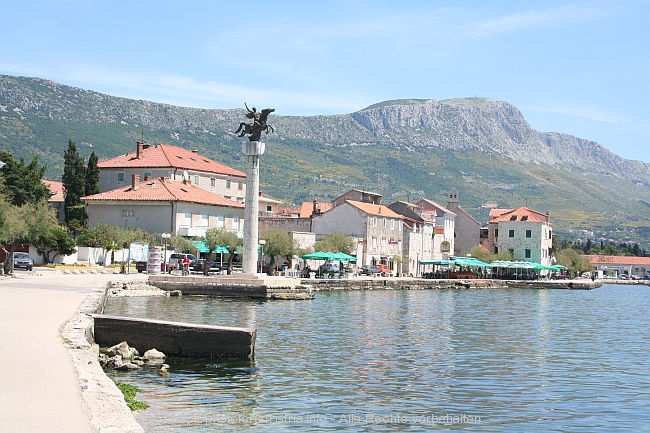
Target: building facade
<point>161,205</point>
<point>526,233</point>
<point>375,227</point>
<point>467,230</point>
<point>176,164</point>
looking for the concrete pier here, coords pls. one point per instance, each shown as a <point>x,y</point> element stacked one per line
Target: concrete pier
<point>235,286</point>
<point>175,338</point>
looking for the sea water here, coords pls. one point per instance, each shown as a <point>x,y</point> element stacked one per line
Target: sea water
<point>489,360</point>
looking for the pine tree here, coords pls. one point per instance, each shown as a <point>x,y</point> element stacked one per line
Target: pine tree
<point>74,180</point>
<point>92,175</point>
<point>22,182</point>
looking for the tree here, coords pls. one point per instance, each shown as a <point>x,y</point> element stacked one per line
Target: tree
<point>22,182</point>
<point>219,236</point>
<point>53,243</point>
<point>92,175</point>
<point>574,262</point>
<point>74,181</point>
<point>13,228</point>
<point>336,242</point>
<point>278,244</point>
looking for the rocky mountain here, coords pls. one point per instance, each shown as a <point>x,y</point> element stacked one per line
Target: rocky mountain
<point>403,149</point>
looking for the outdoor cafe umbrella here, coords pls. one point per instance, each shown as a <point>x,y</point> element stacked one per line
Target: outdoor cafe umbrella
<point>320,255</point>
<point>344,257</point>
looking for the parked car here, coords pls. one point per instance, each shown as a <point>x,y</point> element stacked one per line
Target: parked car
<point>370,270</point>
<point>198,265</point>
<point>385,271</point>
<point>23,261</point>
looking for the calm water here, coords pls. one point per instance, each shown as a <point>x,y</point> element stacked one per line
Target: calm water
<point>479,360</point>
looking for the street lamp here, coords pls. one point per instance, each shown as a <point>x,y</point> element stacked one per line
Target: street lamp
<point>165,236</point>
<point>262,242</point>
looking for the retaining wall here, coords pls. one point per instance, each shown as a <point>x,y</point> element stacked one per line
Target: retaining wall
<point>175,338</point>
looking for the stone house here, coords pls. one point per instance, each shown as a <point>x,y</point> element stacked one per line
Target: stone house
<point>419,236</point>
<point>376,228</point>
<point>526,233</point>
<point>445,220</point>
<point>163,205</point>
<point>57,199</point>
<point>173,163</point>
<point>467,230</point>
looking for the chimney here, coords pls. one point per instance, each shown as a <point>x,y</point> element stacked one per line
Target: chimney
<point>139,149</point>
<point>261,194</point>
<point>135,180</point>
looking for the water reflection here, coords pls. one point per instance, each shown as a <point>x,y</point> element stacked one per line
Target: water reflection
<point>517,359</point>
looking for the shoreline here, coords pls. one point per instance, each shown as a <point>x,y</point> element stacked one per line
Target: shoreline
<point>53,380</point>
<point>100,399</point>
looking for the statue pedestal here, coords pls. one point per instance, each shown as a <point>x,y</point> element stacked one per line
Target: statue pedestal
<point>253,150</point>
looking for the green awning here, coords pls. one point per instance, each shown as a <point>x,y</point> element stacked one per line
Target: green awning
<point>200,245</point>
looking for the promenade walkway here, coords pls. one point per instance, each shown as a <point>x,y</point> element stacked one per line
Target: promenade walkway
<point>40,388</point>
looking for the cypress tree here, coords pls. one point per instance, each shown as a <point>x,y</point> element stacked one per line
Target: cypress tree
<point>74,179</point>
<point>92,175</point>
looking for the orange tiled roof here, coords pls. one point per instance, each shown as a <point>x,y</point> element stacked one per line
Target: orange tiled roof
<point>522,214</point>
<point>56,190</point>
<point>374,209</point>
<point>307,208</point>
<point>168,156</point>
<point>164,189</point>
<point>436,205</point>
<point>597,259</point>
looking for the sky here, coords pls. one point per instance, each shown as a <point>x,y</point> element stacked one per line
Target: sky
<point>575,67</point>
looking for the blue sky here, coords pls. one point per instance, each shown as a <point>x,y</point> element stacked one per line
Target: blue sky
<point>576,67</point>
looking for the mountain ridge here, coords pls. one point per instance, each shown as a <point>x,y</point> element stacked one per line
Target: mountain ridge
<point>403,149</point>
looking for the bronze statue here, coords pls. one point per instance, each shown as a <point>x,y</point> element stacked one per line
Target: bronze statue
<point>257,126</point>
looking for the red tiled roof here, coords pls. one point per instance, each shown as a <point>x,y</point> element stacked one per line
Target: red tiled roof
<point>56,190</point>
<point>168,156</point>
<point>522,214</point>
<point>307,208</point>
<point>164,189</point>
<point>436,205</point>
<point>598,259</point>
<point>374,209</point>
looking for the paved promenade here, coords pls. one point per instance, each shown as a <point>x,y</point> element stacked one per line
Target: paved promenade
<point>40,381</point>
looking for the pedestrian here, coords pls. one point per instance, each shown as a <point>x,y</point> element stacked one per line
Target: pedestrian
<point>186,265</point>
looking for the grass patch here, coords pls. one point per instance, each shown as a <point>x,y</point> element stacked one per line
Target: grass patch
<point>129,392</point>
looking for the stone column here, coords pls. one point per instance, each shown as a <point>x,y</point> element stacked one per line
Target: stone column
<point>252,150</point>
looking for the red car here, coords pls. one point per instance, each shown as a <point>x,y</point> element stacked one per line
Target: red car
<point>385,271</point>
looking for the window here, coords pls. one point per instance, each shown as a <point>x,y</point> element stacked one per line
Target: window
<point>188,218</point>
<point>196,180</point>
<point>204,219</point>
<point>241,185</point>
<point>529,233</point>
<point>268,208</point>
<point>120,176</point>
<point>127,213</point>
<point>220,221</point>
<point>524,218</point>
<point>527,253</point>
<point>236,223</point>
<point>374,221</point>
<point>496,233</point>
<point>213,182</point>
<point>228,184</point>
<point>392,224</point>
<point>511,233</point>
